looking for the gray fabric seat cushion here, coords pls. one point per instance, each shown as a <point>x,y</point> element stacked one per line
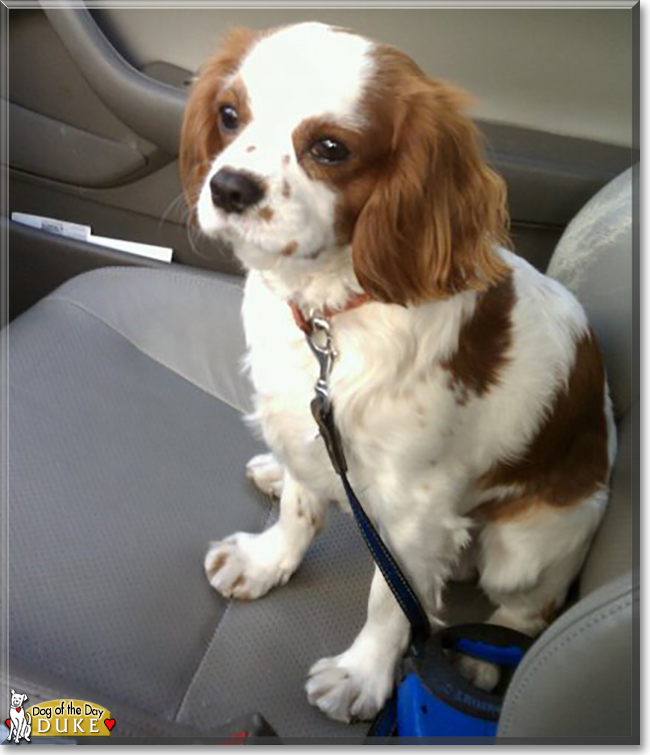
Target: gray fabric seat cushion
<point>127,456</point>
<point>187,321</point>
<point>577,679</point>
<point>121,471</point>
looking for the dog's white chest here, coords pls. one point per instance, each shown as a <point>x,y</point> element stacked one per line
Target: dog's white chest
<point>390,418</point>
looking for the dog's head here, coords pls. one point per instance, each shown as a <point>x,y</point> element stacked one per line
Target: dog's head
<point>302,140</point>
<point>17,699</point>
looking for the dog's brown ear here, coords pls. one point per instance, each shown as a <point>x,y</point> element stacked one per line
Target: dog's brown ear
<point>430,226</point>
<point>200,136</point>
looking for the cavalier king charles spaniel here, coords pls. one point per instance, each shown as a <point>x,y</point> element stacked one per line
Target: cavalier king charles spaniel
<point>468,388</point>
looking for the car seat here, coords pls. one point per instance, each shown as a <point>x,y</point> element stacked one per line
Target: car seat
<point>126,453</point>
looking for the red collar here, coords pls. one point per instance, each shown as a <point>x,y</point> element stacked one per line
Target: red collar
<point>328,312</point>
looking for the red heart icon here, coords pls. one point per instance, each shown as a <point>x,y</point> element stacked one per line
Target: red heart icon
<point>8,722</point>
<point>110,723</point>
<point>18,709</point>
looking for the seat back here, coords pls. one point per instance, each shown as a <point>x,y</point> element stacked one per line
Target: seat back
<point>594,259</point>
<point>577,679</point>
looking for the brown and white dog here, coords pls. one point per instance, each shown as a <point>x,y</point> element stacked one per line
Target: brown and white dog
<point>468,388</point>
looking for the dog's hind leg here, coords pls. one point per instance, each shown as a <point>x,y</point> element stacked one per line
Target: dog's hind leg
<point>465,568</point>
<point>247,566</point>
<point>27,728</point>
<point>266,472</point>
<point>527,565</point>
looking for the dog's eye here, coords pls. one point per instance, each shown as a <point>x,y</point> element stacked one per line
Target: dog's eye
<point>330,151</point>
<point>229,118</point>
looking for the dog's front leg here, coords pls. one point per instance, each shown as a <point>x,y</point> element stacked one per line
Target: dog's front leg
<point>356,684</point>
<point>247,566</point>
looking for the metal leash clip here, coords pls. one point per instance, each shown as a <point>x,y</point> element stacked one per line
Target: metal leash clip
<point>320,342</point>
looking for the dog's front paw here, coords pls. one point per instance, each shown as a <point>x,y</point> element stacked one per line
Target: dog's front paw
<point>348,691</point>
<point>246,566</point>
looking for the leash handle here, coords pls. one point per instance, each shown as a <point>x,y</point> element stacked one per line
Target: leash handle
<point>397,582</point>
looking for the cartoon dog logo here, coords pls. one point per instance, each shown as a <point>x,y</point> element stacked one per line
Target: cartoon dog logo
<point>19,721</point>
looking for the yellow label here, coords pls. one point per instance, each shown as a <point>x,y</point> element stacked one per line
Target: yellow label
<point>70,718</point>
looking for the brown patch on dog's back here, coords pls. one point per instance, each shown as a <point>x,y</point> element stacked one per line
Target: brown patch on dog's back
<point>266,213</point>
<point>507,507</point>
<point>483,343</point>
<point>567,460</point>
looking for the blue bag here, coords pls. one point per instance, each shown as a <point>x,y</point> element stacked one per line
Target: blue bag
<point>433,699</point>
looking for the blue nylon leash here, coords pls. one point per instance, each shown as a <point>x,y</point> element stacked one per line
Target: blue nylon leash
<point>399,585</point>
<point>319,339</point>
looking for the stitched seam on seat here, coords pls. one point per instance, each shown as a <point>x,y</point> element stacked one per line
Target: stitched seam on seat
<point>189,277</point>
<point>558,643</point>
<point>215,637</point>
<point>117,331</point>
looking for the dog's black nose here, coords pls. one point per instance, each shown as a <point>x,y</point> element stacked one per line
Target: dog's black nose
<point>235,192</point>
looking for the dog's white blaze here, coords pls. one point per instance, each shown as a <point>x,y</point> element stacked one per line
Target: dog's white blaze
<point>286,81</point>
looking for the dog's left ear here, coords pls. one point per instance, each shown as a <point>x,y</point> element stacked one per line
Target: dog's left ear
<point>430,226</point>
<point>24,697</point>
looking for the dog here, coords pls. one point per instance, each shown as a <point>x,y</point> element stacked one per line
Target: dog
<point>468,388</point>
<point>21,722</point>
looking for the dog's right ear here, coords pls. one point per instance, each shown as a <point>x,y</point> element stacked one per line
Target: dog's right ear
<point>200,135</point>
